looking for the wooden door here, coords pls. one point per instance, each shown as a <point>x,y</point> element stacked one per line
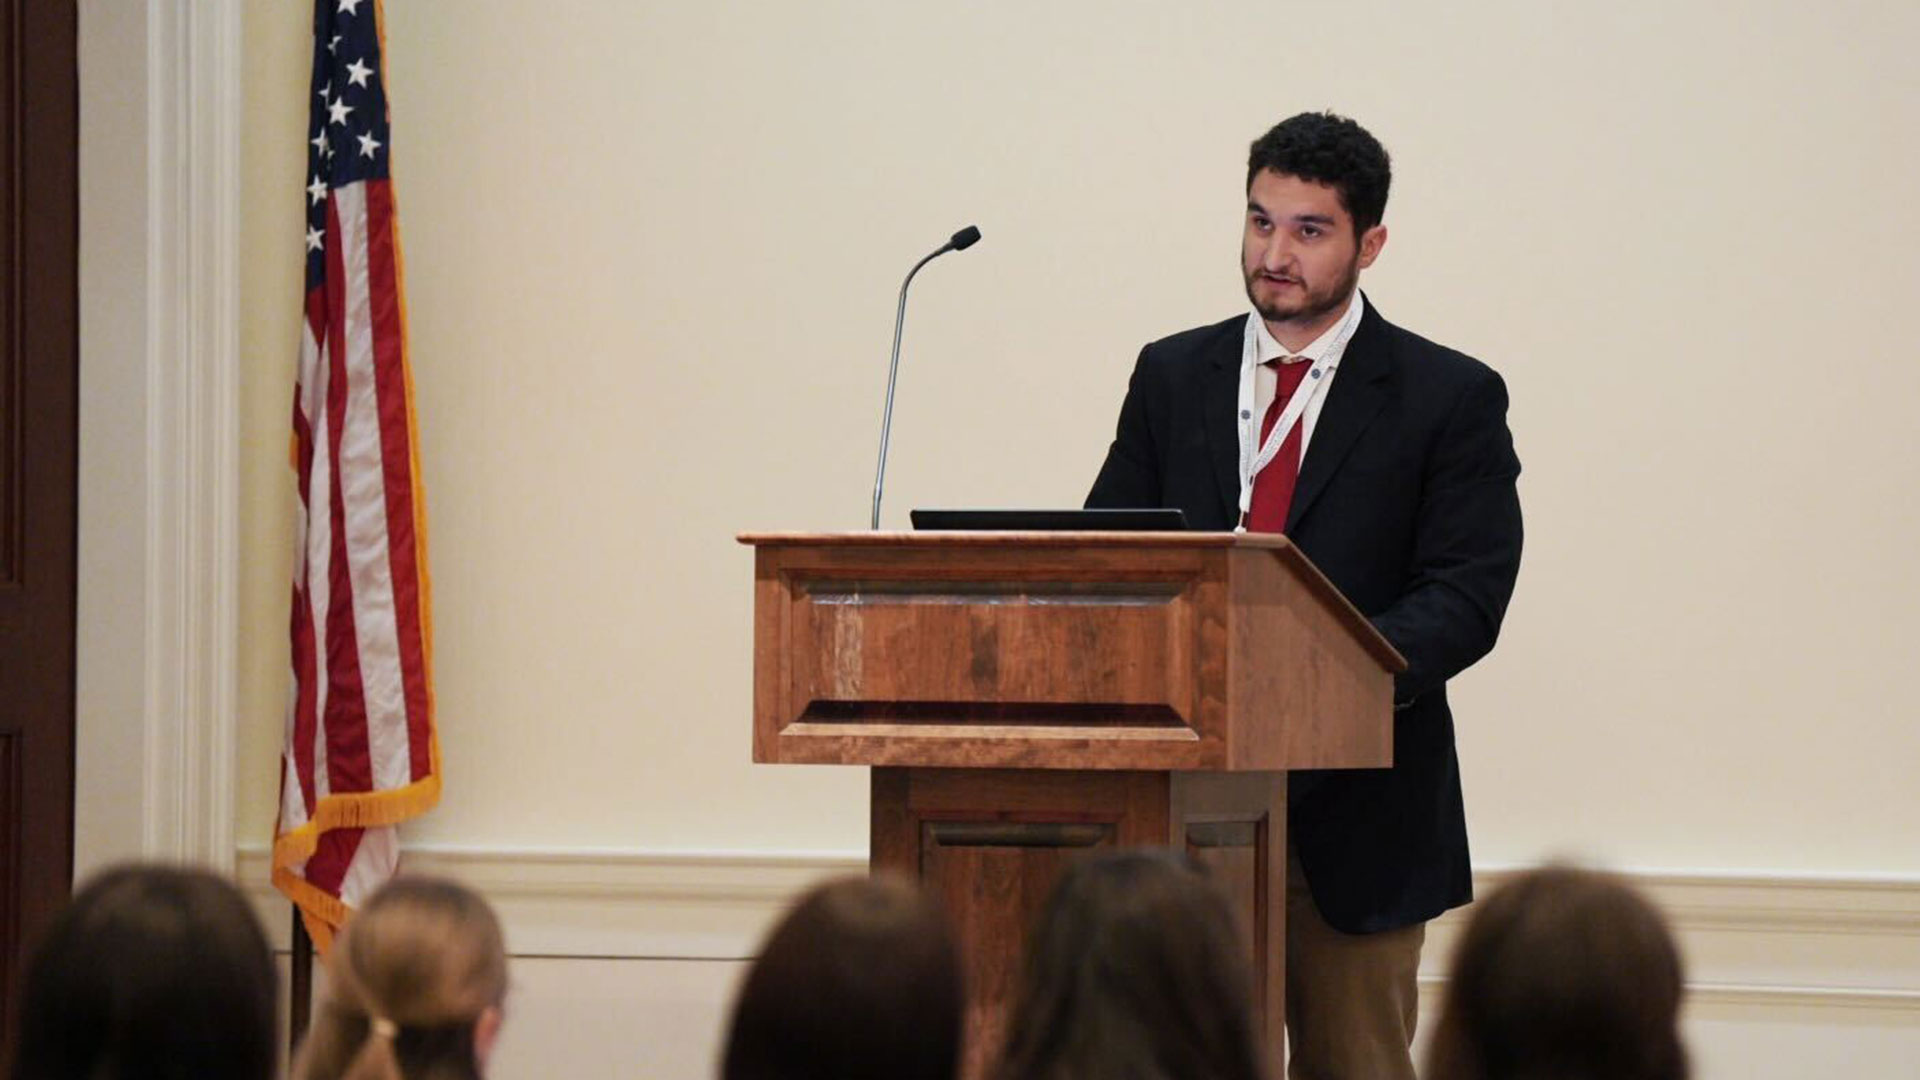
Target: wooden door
<point>39,372</point>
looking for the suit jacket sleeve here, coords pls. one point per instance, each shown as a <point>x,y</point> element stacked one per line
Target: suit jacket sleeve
<point>1130,477</point>
<point>1466,544</point>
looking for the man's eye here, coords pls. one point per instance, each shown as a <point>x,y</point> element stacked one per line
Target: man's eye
<point>1309,231</point>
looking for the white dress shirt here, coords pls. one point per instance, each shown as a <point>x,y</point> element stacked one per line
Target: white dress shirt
<point>1261,347</point>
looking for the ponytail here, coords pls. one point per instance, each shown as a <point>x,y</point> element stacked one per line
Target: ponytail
<point>377,1059</point>
<point>414,981</point>
<point>349,1044</point>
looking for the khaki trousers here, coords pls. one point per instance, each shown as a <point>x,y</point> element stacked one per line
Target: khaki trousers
<point>1352,999</point>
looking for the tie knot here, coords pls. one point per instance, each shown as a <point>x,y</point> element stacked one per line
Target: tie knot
<point>1286,360</point>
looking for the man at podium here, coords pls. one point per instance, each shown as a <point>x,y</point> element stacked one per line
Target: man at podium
<point>1387,460</point>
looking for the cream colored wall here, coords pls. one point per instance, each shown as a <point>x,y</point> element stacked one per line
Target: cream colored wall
<point>652,252</point>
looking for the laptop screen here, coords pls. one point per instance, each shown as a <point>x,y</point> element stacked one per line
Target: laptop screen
<point>1143,520</point>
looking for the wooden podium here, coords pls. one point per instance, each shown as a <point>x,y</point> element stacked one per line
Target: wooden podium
<point>1022,697</point>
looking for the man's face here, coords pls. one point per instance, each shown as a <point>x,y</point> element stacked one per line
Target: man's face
<point>1299,255</point>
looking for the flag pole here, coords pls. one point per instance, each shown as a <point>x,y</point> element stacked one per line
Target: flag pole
<point>300,996</point>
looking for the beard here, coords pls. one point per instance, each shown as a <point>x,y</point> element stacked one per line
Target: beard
<point>1316,301</point>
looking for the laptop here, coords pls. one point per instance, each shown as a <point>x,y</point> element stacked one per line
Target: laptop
<point>1143,520</point>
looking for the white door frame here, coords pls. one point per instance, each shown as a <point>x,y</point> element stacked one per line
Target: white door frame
<point>160,106</point>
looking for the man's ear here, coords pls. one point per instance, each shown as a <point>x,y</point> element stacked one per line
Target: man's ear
<point>1371,242</point>
<point>486,1031</point>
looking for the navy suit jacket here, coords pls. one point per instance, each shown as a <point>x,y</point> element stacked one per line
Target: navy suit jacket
<point>1406,500</point>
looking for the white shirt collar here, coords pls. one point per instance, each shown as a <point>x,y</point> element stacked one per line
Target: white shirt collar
<point>1266,348</point>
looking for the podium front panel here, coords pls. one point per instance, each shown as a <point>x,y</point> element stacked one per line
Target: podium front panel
<point>991,657</point>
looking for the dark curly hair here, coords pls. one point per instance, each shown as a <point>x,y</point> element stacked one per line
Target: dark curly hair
<point>1332,150</point>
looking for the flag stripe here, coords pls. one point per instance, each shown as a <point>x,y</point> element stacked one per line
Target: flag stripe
<point>375,858</point>
<point>297,794</point>
<point>316,586</point>
<point>396,426</point>
<point>365,495</point>
<point>297,790</point>
<point>327,868</point>
<point>347,768</point>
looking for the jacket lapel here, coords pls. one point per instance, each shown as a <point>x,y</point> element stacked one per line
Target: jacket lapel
<point>1358,392</point>
<point>1220,402</point>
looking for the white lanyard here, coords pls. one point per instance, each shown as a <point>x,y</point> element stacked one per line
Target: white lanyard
<point>1310,388</point>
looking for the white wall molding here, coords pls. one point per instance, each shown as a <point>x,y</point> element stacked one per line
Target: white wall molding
<point>193,428</point>
<point>1722,997</point>
<point>1774,903</point>
<point>1755,941</point>
<point>159,423</point>
<point>1800,999</point>
<point>610,904</point>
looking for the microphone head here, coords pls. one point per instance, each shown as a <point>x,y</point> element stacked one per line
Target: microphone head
<point>965,238</point>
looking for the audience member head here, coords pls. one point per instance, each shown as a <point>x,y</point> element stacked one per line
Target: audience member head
<point>416,988</point>
<point>1328,149</point>
<point>151,972</point>
<point>1135,970</point>
<point>860,981</point>
<point>1562,973</point>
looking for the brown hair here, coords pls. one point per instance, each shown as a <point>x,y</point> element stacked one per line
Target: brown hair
<point>1135,971</point>
<point>1562,973</point>
<point>151,971</point>
<point>409,980</point>
<point>860,981</point>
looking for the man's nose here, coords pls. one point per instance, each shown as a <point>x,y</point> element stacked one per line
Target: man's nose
<point>1278,253</point>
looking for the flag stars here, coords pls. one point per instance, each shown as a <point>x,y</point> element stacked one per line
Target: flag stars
<point>313,239</point>
<point>347,7</point>
<point>338,110</point>
<point>326,92</point>
<point>334,45</point>
<point>320,144</point>
<point>368,144</point>
<point>357,73</point>
<point>317,190</point>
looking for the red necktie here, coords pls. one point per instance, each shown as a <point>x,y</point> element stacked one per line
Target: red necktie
<point>1273,487</point>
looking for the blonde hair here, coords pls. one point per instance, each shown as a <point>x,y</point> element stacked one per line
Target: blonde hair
<point>409,980</point>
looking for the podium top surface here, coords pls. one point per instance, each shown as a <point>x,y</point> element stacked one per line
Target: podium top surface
<point>986,542</point>
<point>990,538</point>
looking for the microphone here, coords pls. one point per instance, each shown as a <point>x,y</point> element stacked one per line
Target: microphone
<point>960,241</point>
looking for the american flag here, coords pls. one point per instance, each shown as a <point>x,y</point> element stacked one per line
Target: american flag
<point>361,754</point>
